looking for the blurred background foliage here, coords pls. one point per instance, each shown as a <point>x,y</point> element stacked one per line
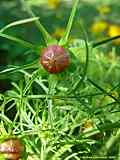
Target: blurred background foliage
<point>100,19</point>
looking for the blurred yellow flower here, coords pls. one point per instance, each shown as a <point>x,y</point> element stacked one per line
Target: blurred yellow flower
<point>58,33</point>
<point>99,26</point>
<point>88,124</point>
<point>53,3</point>
<point>104,9</point>
<point>114,30</point>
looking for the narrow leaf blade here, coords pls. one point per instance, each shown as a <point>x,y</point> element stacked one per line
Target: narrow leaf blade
<point>16,23</point>
<point>20,41</point>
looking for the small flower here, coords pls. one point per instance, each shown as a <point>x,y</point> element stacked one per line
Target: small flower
<point>104,10</point>
<point>87,125</point>
<point>53,3</point>
<point>99,26</point>
<point>114,30</point>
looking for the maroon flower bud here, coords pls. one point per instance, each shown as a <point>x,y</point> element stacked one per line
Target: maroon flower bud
<point>54,59</point>
<point>12,149</point>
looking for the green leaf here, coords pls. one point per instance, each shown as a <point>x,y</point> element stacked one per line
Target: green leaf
<point>17,40</point>
<point>64,39</point>
<point>62,150</point>
<point>16,23</point>
<point>5,119</point>
<point>28,85</point>
<point>13,69</point>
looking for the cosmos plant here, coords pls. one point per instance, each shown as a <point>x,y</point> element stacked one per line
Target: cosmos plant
<point>55,56</point>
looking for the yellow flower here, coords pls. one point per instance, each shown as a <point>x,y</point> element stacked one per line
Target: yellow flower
<point>53,3</point>
<point>104,9</point>
<point>99,26</point>
<point>114,30</point>
<point>58,33</point>
<point>88,124</point>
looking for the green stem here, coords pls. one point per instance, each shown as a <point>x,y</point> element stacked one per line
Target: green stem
<point>105,41</point>
<point>64,39</point>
